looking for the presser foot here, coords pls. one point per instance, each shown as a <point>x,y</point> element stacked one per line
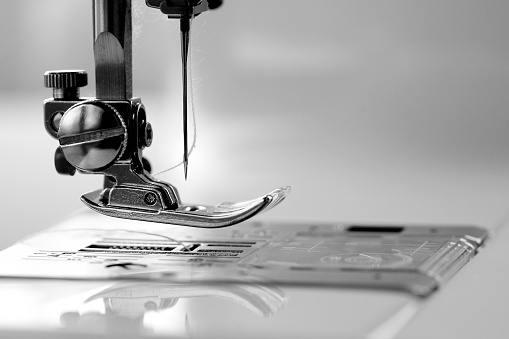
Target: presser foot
<point>222,215</point>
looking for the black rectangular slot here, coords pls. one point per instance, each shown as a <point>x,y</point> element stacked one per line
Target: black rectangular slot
<point>375,229</point>
<point>133,247</point>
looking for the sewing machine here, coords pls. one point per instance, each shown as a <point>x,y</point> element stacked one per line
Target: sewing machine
<point>107,134</point>
<point>179,276</point>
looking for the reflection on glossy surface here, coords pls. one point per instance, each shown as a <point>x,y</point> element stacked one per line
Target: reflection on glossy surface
<point>143,307</point>
<point>54,309</point>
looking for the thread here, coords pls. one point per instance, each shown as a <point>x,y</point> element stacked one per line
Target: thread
<point>184,247</point>
<point>138,16</point>
<point>193,114</point>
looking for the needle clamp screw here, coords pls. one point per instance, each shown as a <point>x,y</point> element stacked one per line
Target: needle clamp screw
<point>92,135</point>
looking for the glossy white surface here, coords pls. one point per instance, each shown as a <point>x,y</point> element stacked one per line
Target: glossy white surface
<point>61,307</point>
<point>474,303</point>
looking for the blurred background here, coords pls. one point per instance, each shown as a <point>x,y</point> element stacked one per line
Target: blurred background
<point>373,111</point>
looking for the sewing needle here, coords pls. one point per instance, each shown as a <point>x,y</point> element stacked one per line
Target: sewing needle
<point>185,25</point>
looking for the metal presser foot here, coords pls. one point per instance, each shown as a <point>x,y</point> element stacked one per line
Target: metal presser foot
<point>107,134</point>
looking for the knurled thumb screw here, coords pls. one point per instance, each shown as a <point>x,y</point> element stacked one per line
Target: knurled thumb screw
<point>65,83</point>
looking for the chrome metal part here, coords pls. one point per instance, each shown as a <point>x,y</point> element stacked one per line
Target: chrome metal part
<point>222,215</point>
<point>113,49</point>
<point>418,259</point>
<point>107,134</point>
<point>185,27</point>
<point>92,135</point>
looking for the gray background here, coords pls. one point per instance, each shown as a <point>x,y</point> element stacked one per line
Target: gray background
<point>373,111</point>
